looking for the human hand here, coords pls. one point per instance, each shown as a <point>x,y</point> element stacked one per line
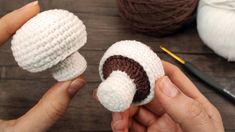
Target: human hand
<point>178,106</point>
<point>55,102</point>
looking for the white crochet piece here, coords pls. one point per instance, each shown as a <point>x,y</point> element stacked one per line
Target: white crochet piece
<point>70,68</point>
<point>143,55</point>
<point>48,39</point>
<point>117,91</point>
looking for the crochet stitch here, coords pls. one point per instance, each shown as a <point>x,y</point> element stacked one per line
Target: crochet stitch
<point>49,41</point>
<point>141,66</point>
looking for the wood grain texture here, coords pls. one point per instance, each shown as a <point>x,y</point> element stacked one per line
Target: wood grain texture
<point>104,27</point>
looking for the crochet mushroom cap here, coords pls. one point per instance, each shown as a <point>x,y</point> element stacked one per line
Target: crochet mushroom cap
<point>128,71</point>
<point>50,40</point>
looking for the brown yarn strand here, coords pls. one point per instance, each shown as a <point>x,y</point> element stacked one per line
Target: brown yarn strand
<point>157,17</point>
<point>133,69</point>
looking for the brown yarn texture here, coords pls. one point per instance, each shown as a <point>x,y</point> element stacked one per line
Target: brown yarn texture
<point>157,17</point>
<point>133,69</point>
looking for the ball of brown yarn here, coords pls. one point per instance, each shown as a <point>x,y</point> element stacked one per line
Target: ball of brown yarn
<point>157,17</point>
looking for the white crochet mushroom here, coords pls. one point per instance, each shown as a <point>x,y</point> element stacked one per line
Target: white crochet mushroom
<point>50,41</point>
<point>128,71</point>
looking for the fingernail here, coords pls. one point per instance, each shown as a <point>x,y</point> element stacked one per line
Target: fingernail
<point>29,5</point>
<point>75,86</point>
<point>168,88</point>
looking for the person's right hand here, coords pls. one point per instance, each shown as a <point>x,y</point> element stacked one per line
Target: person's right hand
<point>178,106</point>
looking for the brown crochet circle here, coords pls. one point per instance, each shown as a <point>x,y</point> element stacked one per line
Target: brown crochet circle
<point>158,17</point>
<point>133,69</point>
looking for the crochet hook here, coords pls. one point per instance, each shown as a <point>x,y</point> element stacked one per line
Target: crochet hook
<point>202,76</point>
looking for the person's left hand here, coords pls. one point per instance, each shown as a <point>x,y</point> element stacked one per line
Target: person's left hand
<point>55,102</point>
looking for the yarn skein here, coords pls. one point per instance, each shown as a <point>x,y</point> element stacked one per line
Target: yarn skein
<point>157,17</point>
<point>128,71</point>
<point>50,41</point>
<point>215,24</point>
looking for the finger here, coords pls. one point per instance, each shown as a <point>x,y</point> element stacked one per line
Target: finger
<point>153,123</point>
<point>133,110</point>
<point>120,120</point>
<point>136,127</point>
<point>188,88</point>
<point>155,107</point>
<point>51,107</point>
<point>189,113</point>
<point>164,124</point>
<point>181,80</point>
<point>145,117</point>
<point>14,20</point>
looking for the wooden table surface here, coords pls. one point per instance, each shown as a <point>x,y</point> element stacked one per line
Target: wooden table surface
<point>20,90</point>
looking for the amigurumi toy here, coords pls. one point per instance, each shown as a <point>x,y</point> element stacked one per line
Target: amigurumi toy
<point>50,41</point>
<point>128,71</point>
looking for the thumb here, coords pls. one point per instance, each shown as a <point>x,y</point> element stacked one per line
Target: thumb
<point>184,110</point>
<point>50,108</point>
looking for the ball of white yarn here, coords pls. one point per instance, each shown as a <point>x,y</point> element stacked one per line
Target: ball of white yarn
<point>50,40</point>
<point>216,26</point>
<point>117,91</point>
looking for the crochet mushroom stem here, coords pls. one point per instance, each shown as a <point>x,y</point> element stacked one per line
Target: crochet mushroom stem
<point>69,68</point>
<point>117,92</point>
<point>128,71</point>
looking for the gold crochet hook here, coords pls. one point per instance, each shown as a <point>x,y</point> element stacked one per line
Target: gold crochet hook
<point>202,76</point>
<point>172,55</point>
